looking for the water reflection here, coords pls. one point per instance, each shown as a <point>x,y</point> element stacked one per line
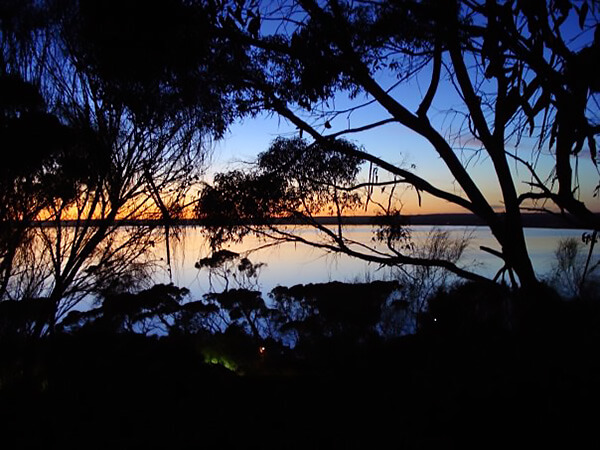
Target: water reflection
<point>71,266</point>
<point>289,264</point>
<point>54,262</point>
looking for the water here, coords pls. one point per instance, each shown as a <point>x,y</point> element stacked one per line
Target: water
<point>289,264</point>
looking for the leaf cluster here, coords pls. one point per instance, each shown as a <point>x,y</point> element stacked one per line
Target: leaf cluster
<point>291,177</point>
<point>43,158</point>
<point>318,59</point>
<point>121,312</point>
<point>334,309</point>
<point>165,61</point>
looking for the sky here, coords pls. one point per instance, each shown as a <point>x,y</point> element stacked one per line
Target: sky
<point>398,145</point>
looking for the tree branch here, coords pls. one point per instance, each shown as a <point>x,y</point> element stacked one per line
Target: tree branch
<point>435,80</point>
<point>359,129</point>
<point>395,260</point>
<point>411,178</point>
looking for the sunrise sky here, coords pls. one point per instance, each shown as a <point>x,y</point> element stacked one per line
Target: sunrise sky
<point>398,145</point>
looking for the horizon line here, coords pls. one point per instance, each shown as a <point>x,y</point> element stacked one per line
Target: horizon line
<point>530,220</point>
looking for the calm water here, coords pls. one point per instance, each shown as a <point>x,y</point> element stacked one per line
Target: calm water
<point>290,264</point>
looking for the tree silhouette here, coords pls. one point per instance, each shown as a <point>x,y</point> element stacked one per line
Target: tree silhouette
<point>344,312</point>
<point>136,118</point>
<point>521,70</point>
<point>297,180</point>
<point>126,94</point>
<point>149,311</point>
<point>32,139</point>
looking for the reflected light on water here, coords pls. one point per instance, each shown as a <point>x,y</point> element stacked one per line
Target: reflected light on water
<point>289,263</point>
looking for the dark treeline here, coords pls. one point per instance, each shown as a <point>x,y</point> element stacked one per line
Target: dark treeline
<point>482,364</point>
<point>336,365</point>
<point>530,220</point>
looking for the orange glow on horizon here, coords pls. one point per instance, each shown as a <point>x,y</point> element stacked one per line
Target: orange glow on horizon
<point>408,203</point>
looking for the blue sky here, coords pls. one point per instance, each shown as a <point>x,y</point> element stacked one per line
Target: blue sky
<point>399,145</point>
<point>395,144</point>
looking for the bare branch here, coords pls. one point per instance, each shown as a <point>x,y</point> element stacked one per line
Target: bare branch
<point>416,181</point>
<point>435,80</point>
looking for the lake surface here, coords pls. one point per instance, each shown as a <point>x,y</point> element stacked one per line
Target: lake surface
<point>289,264</point>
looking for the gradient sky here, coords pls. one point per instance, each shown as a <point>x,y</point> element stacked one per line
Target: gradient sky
<point>398,145</point>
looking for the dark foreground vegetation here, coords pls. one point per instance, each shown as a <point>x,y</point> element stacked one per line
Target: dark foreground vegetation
<point>487,368</point>
<point>107,112</point>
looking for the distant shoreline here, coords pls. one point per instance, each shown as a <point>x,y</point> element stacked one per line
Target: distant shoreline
<point>530,220</point>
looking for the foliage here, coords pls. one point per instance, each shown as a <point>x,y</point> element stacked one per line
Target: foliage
<point>572,275</point>
<point>291,179</point>
<point>21,319</point>
<point>101,122</point>
<point>346,313</point>
<point>521,71</point>
<point>302,315</point>
<point>227,266</point>
<point>159,60</point>
<point>468,310</point>
<point>145,312</point>
<point>245,310</point>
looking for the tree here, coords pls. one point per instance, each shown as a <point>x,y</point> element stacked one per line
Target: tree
<point>522,70</point>
<point>148,311</point>
<point>32,139</point>
<point>574,274</point>
<point>298,180</point>
<point>348,312</point>
<point>242,307</point>
<point>135,116</point>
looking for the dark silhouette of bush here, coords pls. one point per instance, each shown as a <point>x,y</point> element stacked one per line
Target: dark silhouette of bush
<point>245,310</point>
<point>334,390</point>
<point>145,311</point>
<point>196,318</point>
<point>318,314</point>
<point>468,309</point>
<point>474,310</point>
<point>20,319</point>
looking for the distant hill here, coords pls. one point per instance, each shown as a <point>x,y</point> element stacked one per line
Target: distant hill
<point>530,220</point>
